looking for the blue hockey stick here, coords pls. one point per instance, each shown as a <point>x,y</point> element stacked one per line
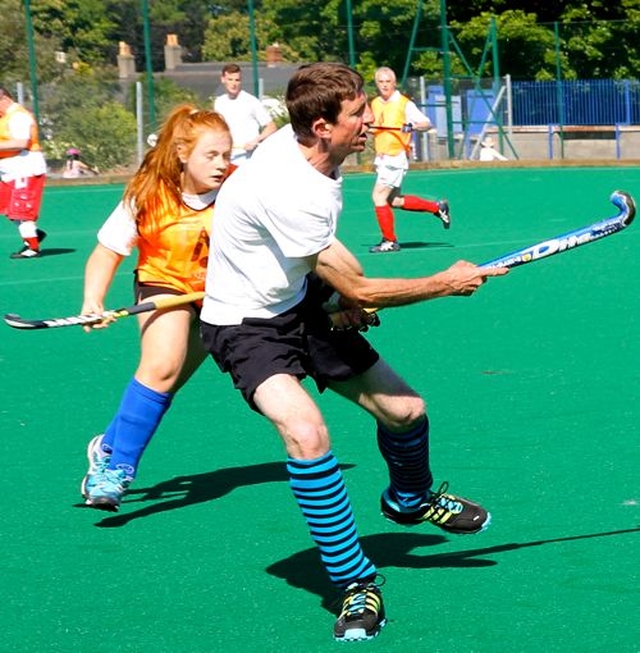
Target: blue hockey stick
<point>626,213</point>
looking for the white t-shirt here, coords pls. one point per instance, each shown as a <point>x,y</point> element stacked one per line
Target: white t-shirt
<point>270,214</point>
<point>119,232</point>
<point>26,163</point>
<point>246,116</point>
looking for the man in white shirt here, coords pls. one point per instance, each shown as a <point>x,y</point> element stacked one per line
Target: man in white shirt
<point>249,121</point>
<point>274,263</point>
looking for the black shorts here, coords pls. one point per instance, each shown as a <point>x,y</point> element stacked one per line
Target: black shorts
<point>298,342</point>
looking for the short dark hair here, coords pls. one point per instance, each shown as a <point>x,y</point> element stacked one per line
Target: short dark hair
<point>4,92</point>
<point>231,68</point>
<point>317,90</point>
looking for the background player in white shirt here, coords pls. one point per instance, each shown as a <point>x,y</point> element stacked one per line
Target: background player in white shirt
<point>248,119</point>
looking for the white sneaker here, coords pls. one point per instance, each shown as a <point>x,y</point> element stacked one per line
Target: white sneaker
<point>385,246</point>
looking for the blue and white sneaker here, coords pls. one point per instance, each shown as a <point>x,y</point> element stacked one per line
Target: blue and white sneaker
<point>98,463</point>
<point>108,489</point>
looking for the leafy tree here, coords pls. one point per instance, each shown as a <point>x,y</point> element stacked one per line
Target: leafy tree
<point>527,46</point>
<point>86,27</point>
<point>14,52</point>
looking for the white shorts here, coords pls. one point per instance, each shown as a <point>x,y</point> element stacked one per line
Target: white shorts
<point>390,172</point>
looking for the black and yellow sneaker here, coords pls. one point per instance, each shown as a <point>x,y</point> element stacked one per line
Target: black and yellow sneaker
<point>447,511</point>
<point>362,615</point>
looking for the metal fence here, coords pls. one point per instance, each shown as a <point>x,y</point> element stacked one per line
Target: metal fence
<point>576,102</point>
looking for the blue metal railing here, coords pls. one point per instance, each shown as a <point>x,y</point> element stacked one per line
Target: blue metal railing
<point>577,102</point>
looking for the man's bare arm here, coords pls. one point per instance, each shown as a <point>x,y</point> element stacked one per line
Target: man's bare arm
<point>338,267</point>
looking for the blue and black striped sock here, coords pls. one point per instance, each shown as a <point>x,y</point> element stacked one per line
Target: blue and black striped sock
<point>407,457</point>
<point>320,491</point>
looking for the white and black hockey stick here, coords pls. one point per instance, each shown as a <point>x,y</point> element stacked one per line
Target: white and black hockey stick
<point>626,213</point>
<point>151,304</point>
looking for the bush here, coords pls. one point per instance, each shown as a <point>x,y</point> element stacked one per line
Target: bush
<point>106,136</point>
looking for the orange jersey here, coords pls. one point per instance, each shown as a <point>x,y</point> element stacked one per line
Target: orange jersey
<point>174,248</point>
<point>5,133</point>
<point>390,114</point>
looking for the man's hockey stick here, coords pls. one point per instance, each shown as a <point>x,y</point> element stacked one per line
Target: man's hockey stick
<point>151,304</point>
<point>626,213</point>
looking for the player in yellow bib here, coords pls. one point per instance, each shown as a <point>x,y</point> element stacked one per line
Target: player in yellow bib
<point>400,116</point>
<point>165,214</point>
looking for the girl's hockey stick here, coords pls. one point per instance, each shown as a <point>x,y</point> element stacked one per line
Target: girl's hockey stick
<point>626,213</point>
<point>151,304</point>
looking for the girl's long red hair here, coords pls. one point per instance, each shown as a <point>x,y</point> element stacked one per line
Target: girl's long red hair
<point>158,180</point>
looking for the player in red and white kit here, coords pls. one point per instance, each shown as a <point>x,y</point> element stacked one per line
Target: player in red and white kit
<point>22,173</point>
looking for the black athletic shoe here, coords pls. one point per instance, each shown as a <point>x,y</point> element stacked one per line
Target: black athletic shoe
<point>444,214</point>
<point>447,511</point>
<point>26,251</point>
<point>362,615</point>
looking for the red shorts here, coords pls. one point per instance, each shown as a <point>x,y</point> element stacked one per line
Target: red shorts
<point>20,199</point>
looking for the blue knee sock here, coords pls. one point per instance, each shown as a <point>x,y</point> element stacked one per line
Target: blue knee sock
<point>131,430</point>
<point>322,496</point>
<point>407,457</point>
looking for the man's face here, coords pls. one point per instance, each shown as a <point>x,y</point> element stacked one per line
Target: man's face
<point>232,83</point>
<point>349,134</point>
<point>386,85</point>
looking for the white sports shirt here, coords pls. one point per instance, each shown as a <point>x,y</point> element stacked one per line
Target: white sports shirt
<point>270,214</point>
<point>246,116</point>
